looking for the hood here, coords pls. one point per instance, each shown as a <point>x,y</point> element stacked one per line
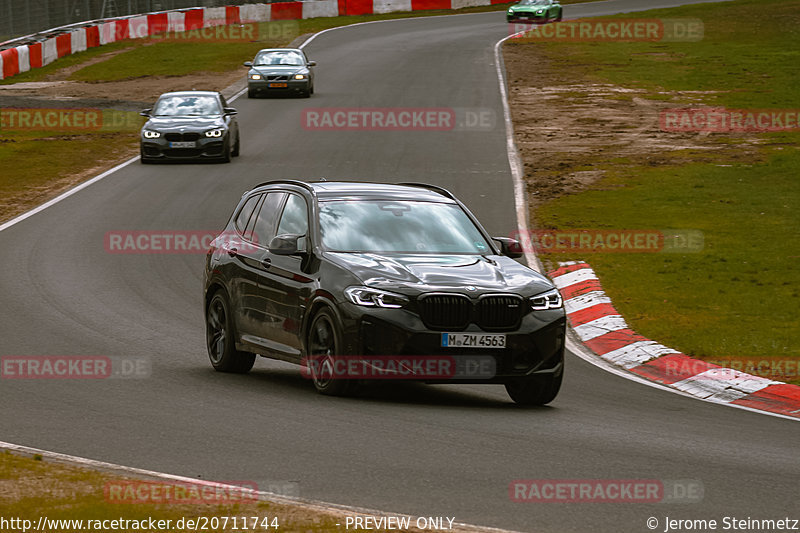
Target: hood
<point>189,123</point>
<point>278,70</point>
<point>423,273</point>
<point>526,8</point>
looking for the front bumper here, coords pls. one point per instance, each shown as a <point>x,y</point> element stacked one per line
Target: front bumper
<point>526,16</point>
<point>535,347</point>
<point>282,86</point>
<point>204,148</point>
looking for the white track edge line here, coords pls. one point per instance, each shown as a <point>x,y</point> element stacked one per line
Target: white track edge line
<point>263,495</point>
<point>575,346</point>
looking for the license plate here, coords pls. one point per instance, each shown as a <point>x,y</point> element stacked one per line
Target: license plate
<point>182,144</point>
<point>278,84</point>
<point>473,340</point>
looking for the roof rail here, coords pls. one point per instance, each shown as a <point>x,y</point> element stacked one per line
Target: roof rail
<point>299,183</point>
<point>428,186</point>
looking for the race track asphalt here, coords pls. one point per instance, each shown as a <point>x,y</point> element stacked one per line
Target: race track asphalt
<point>410,448</point>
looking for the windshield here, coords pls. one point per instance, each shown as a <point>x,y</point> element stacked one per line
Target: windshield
<point>534,2</point>
<point>400,227</point>
<point>292,59</point>
<point>192,106</point>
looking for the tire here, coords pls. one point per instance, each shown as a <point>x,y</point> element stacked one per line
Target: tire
<point>535,390</point>
<point>221,338</point>
<point>324,341</point>
<point>226,152</point>
<point>143,160</point>
<point>251,93</point>
<point>560,15</point>
<point>311,89</point>
<point>237,146</point>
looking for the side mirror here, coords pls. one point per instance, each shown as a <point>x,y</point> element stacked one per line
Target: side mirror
<point>312,63</point>
<point>510,247</point>
<point>248,63</point>
<point>145,112</point>
<point>285,244</point>
<point>230,111</point>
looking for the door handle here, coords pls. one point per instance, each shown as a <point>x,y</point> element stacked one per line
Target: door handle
<point>266,262</point>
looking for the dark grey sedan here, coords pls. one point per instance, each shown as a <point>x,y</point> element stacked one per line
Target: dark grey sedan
<point>190,125</point>
<point>280,71</point>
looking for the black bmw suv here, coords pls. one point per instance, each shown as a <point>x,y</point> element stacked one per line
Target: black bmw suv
<point>356,281</point>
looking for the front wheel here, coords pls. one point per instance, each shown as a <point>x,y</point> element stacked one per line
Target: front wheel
<point>221,341</point>
<point>227,150</point>
<point>324,344</point>
<point>560,15</point>
<point>236,146</point>
<point>535,390</point>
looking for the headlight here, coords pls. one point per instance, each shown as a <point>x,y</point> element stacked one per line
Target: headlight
<point>215,133</point>
<point>149,134</point>
<point>368,297</point>
<point>540,12</point>
<point>299,76</point>
<point>255,76</point>
<point>547,300</point>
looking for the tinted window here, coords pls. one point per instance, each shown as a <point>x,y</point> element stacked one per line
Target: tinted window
<point>192,106</point>
<point>289,58</point>
<point>295,217</point>
<point>244,214</point>
<point>265,223</point>
<point>399,226</point>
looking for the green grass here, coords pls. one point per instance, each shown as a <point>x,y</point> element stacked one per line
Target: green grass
<point>753,60</point>
<point>171,59</point>
<point>741,295</point>
<point>44,489</point>
<point>39,74</point>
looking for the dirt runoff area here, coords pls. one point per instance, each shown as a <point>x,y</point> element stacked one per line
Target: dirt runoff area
<point>568,128</point>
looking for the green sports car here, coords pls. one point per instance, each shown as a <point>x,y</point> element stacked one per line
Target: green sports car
<point>535,11</point>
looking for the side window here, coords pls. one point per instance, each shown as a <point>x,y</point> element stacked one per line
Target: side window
<point>264,228</point>
<point>294,219</point>
<point>246,212</point>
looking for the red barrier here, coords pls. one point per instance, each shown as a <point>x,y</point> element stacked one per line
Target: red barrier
<point>92,37</point>
<point>64,44</point>
<point>356,7</point>
<point>232,15</point>
<point>287,11</point>
<point>157,23</point>
<point>35,54</point>
<point>121,30</point>
<point>194,19</point>
<point>10,62</point>
<point>422,5</point>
